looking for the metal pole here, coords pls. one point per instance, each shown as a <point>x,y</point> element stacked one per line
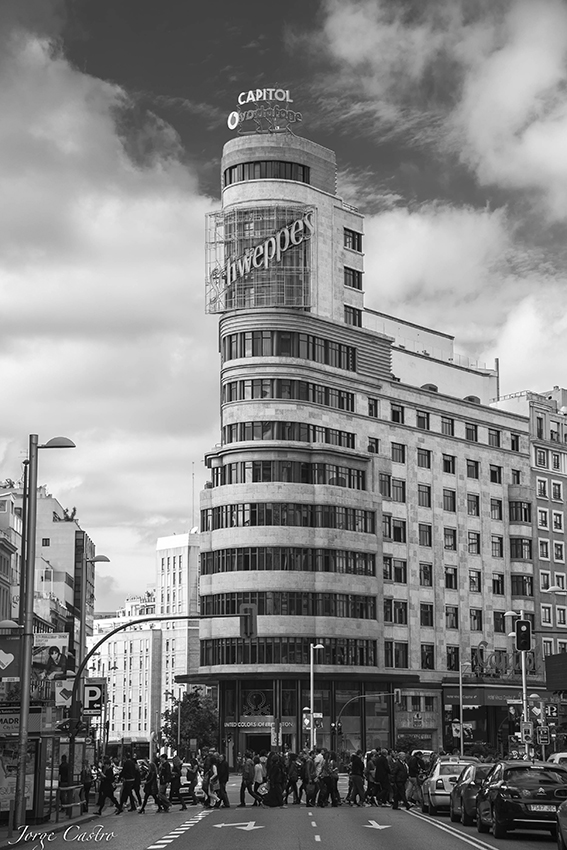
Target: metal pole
<point>22,605</point>
<point>311,695</point>
<point>179,724</point>
<point>461,732</point>
<point>525,712</point>
<point>27,635</point>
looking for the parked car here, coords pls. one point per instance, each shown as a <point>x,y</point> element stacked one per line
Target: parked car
<point>462,802</point>
<point>558,758</point>
<point>521,795</point>
<point>439,782</point>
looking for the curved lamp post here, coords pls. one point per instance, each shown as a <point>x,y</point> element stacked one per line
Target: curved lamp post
<point>27,583</point>
<point>312,648</point>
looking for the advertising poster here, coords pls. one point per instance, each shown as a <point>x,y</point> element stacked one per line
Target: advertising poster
<point>9,657</point>
<point>50,658</point>
<point>9,770</point>
<point>63,693</point>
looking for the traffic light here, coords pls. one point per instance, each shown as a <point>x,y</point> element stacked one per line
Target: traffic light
<point>248,620</point>
<point>527,731</point>
<point>306,724</point>
<point>523,630</point>
<point>397,695</point>
<point>339,728</point>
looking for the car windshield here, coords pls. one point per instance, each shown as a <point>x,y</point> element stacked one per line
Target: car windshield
<point>452,769</point>
<point>537,775</point>
<point>481,772</point>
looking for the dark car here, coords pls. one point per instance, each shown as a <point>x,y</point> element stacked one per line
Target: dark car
<point>462,802</point>
<point>521,795</point>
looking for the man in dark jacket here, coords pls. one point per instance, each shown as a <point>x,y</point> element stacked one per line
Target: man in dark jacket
<point>222,774</point>
<point>247,781</point>
<point>382,777</point>
<point>416,766</point>
<point>107,788</point>
<point>128,777</point>
<point>399,778</point>
<point>357,779</point>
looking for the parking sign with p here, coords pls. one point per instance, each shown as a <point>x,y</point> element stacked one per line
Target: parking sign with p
<point>93,698</point>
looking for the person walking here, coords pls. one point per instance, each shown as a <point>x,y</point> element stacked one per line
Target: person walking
<point>86,782</point>
<point>357,794</point>
<point>399,778</point>
<point>106,790</point>
<point>128,778</point>
<point>292,777</point>
<point>247,779</point>
<point>416,766</point>
<point>175,787</point>
<point>382,778</point>
<point>258,776</point>
<point>164,778</point>
<point>63,781</point>
<point>222,775</point>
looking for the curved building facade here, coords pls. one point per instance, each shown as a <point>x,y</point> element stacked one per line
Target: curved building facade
<point>321,510</point>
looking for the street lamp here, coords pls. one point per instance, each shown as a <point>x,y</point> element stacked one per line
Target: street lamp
<point>27,583</point>
<point>461,705</point>
<point>312,648</point>
<point>98,559</point>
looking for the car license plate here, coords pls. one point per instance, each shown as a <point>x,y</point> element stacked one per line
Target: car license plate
<point>542,808</point>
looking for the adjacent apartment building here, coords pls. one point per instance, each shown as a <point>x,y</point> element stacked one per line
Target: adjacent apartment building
<point>367,495</point>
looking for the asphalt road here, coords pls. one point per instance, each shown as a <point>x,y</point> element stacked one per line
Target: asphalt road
<point>291,828</point>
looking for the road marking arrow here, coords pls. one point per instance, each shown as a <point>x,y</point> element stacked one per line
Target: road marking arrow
<point>246,825</point>
<point>373,825</point>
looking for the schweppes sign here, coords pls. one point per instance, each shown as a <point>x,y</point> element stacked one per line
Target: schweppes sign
<point>271,250</point>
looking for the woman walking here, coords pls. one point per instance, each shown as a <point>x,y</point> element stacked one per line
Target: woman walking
<point>151,789</point>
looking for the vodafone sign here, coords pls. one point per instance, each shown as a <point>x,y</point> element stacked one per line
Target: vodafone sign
<point>272,249</point>
<point>268,108</point>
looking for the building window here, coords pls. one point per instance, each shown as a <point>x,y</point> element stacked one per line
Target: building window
<point>46,541</point>
<point>447,426</point>
<point>473,504</point>
<point>451,617</point>
<point>471,432</point>
<point>424,458</point>
<point>520,549</point>
<point>395,654</point>
<point>373,445</point>
<point>453,662</point>
<point>398,530</point>
<point>522,585</point>
<point>352,239</point>
<point>397,413</point>
<point>398,453</point>
<point>429,703</point>
<point>493,438</point>
<point>450,539</point>
<point>426,575</point>
<point>497,544</point>
<point>561,614</point>
<point>558,552</point>
<point>520,512</point>
<point>557,521</point>
<point>451,578</point>
<point>353,278</point>
<point>541,458</point>
<point>353,316</point>
<point>495,474</point>
<point>449,464</point>
<point>475,581</point>
<point>426,614</point>
<point>388,574</point>
<point>544,549</point>
<point>400,571</point>
<point>401,613</point>
<point>398,490</point>
<point>515,442</point>
<point>422,420</point>
<point>498,584</point>
<point>373,407</point>
<point>424,495</point>
<point>267,169</point>
<point>385,485</point>
<point>556,491</point>
<point>542,518</point>
<point>499,622</point>
<point>496,509</point>
<point>473,469</point>
<point>424,533</point>
<point>474,543</point>
<point>388,610</point>
<point>544,580</point>
<point>427,656</point>
<point>476,619</point>
<point>546,615</point>
<point>541,488</point>
<point>555,460</point>
<point>516,476</point>
<point>449,500</point>
<point>547,647</point>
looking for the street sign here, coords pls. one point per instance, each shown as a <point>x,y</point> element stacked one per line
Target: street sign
<point>94,697</point>
<point>542,733</point>
<point>551,710</point>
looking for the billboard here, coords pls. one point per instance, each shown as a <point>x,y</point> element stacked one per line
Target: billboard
<point>260,256</point>
<point>50,659</point>
<point>556,672</point>
<point>9,658</point>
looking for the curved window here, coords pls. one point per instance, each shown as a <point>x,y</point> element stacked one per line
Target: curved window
<point>300,432</point>
<point>293,472</point>
<point>267,169</point>
<point>287,650</point>
<point>291,603</point>
<point>288,344</point>
<point>288,558</point>
<point>288,389</point>
<point>288,514</point>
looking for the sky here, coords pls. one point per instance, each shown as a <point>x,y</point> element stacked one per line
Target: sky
<point>449,120</point>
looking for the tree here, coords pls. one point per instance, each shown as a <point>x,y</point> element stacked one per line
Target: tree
<point>199,719</point>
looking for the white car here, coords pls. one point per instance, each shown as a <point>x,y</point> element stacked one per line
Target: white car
<point>438,784</point>
<point>558,758</point>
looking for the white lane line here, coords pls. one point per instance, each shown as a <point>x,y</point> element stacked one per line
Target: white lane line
<point>474,842</point>
<point>317,838</point>
<point>313,823</point>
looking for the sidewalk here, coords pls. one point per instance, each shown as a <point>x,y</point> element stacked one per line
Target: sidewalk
<point>46,826</point>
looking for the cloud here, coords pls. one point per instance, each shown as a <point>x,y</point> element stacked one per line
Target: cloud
<point>101,281</point>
